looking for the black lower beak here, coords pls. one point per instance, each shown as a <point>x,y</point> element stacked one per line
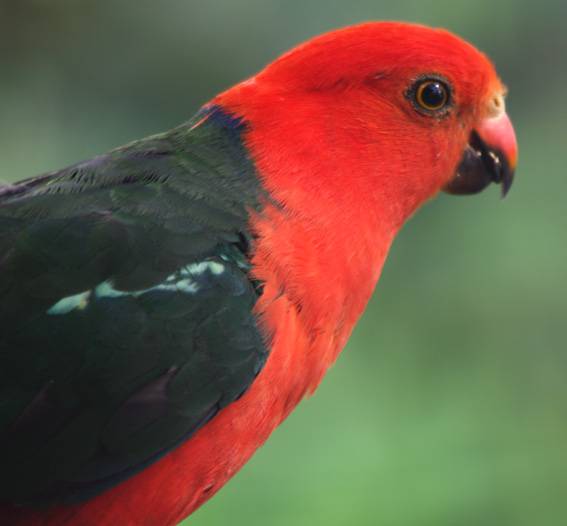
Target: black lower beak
<point>480,166</point>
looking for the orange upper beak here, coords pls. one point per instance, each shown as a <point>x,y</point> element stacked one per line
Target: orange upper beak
<point>490,157</point>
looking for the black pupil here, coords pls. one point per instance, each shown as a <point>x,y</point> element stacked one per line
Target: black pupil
<point>433,95</point>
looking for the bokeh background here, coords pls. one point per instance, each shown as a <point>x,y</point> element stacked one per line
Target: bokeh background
<point>449,404</point>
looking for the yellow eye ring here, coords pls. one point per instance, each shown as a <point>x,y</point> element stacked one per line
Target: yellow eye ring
<point>432,95</point>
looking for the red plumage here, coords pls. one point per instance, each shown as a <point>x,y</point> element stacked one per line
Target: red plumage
<point>348,158</point>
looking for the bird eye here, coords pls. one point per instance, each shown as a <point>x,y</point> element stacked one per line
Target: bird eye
<point>431,95</point>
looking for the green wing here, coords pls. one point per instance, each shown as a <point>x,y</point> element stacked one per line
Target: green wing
<point>126,308</point>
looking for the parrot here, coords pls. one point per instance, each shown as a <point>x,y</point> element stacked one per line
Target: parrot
<point>166,305</point>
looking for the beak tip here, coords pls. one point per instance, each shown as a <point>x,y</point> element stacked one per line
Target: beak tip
<point>507,170</point>
<point>505,189</point>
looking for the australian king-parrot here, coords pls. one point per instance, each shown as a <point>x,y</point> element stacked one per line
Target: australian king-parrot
<point>165,306</point>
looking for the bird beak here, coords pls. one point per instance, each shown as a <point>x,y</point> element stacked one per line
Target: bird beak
<point>490,157</point>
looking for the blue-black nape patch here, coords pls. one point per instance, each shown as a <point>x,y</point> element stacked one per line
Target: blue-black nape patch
<point>221,117</point>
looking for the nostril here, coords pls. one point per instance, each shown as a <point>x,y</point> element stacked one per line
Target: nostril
<point>496,106</point>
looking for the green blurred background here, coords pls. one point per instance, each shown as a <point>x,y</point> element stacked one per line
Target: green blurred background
<point>448,406</point>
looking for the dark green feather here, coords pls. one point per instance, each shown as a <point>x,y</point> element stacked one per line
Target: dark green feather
<point>126,308</point>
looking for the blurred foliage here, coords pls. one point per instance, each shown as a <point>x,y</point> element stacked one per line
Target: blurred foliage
<point>449,404</point>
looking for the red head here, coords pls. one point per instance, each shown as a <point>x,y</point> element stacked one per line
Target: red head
<point>350,103</point>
